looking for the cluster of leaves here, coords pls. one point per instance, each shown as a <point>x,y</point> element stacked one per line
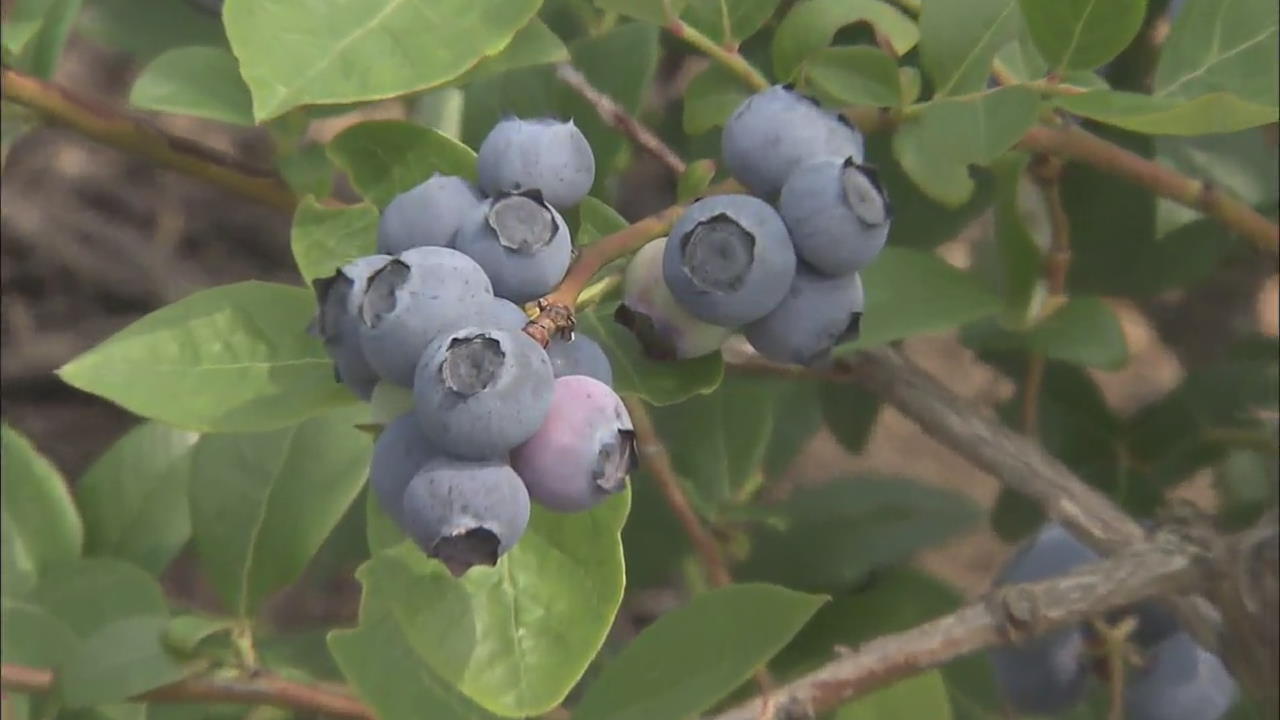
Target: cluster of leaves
<point>253,455</point>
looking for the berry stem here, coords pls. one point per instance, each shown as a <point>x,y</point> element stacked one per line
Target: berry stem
<point>136,135</point>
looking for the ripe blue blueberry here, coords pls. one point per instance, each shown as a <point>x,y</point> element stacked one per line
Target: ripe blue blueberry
<point>466,513</point>
<point>410,300</point>
<point>837,214</point>
<point>583,451</point>
<point>399,453</point>
<point>664,329</point>
<point>1179,681</point>
<point>579,356</point>
<point>521,242</point>
<point>729,259</point>
<point>541,154</point>
<point>775,131</point>
<point>428,214</point>
<point>1047,674</point>
<point>818,313</point>
<point>480,392</point>
<point>338,298</point>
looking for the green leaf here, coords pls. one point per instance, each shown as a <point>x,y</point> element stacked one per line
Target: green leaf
<point>380,530</point>
<point>264,371</point>
<point>810,26</point>
<point>134,497</point>
<point>595,220</point>
<point>958,40</point>
<point>22,20</point>
<point>919,696</point>
<point>387,672</point>
<point>856,76</point>
<point>1235,166</point>
<point>1222,46</point>
<point>326,238</point>
<point>910,292</point>
<point>295,54</point>
<point>387,157</point>
<point>262,503</point>
<point>1022,234</point>
<point>118,661</point>
<point>695,655</point>
<point>200,81</point>
<point>42,48</point>
<point>34,638</point>
<point>797,417</point>
<point>306,651</point>
<point>712,97</point>
<point>42,530</point>
<point>650,11</point>
<point>740,18</point>
<point>185,633</point>
<point>937,145</point>
<point>850,413</point>
<point>534,44</point>
<point>830,536</point>
<point>118,590</point>
<point>695,179</point>
<point>307,169</point>
<point>1084,331</point>
<point>514,638</point>
<point>1217,112</point>
<point>717,440</point>
<point>656,382</point>
<point>146,28</point>
<point>1082,34</point>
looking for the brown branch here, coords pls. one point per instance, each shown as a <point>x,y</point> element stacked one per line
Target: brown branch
<point>1166,566</point>
<point>136,135</point>
<point>258,690</point>
<point>658,462</point>
<point>1079,145</point>
<point>617,117</point>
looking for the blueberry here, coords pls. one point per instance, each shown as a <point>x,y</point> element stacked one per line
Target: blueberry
<point>1047,674</point>
<point>583,451</point>
<point>410,300</point>
<point>776,131</point>
<point>521,242</point>
<point>338,298</point>
<point>466,513</point>
<point>480,392</point>
<point>541,154</point>
<point>729,259</point>
<point>837,214</point>
<point>665,330</point>
<point>1179,681</point>
<point>429,214</point>
<point>818,313</point>
<point>579,356</point>
<point>399,453</point>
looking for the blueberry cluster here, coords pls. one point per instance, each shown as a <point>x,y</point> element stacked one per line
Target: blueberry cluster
<point>1176,680</point>
<point>497,421</point>
<point>781,264</point>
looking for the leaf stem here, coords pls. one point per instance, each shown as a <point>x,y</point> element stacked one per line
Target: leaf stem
<point>731,60</point>
<point>136,135</point>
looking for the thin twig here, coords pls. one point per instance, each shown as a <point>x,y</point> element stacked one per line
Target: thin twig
<point>136,135</point>
<point>1047,172</point>
<point>1077,144</point>
<point>617,117</point>
<point>657,461</point>
<point>262,689</point>
<point>731,60</point>
<point>1010,614</point>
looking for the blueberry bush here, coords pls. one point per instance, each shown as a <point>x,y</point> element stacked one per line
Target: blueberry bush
<point>553,405</point>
